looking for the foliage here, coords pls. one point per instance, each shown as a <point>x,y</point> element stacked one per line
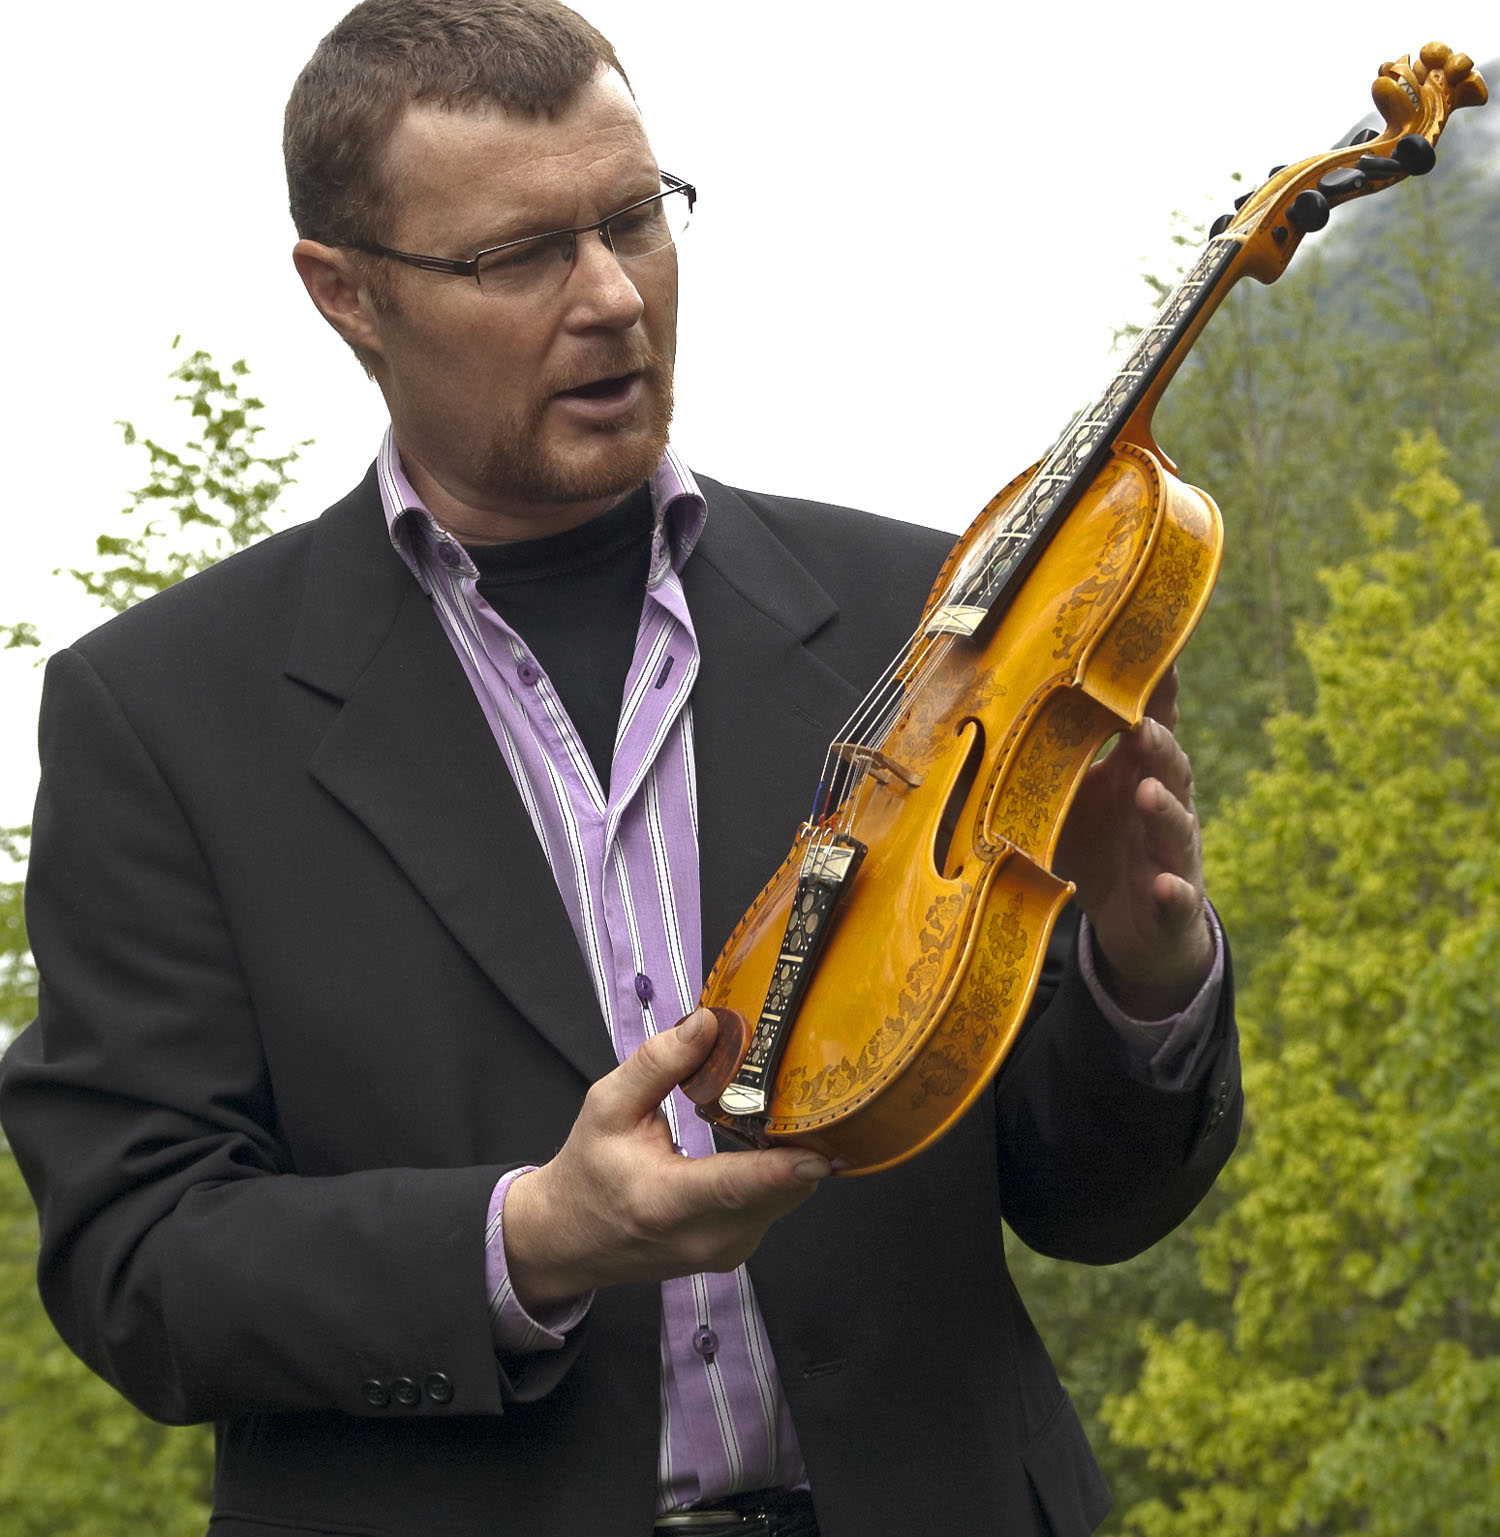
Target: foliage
<point>17,974</point>
<point>1092,1318</point>
<point>1288,408</point>
<point>1286,412</point>
<point>18,636</point>
<point>1357,1386</point>
<point>76,1460</point>
<point>208,498</point>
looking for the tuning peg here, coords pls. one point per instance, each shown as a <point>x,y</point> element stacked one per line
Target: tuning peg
<point>1219,225</point>
<point>1275,170</point>
<point>1414,154</point>
<point>1309,211</point>
<point>1380,167</point>
<point>1363,136</point>
<point>1342,182</point>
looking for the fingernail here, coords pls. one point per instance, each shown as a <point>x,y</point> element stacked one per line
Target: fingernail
<point>813,1169</point>
<point>691,1027</point>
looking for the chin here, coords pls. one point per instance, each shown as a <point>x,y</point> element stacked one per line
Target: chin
<point>607,464</point>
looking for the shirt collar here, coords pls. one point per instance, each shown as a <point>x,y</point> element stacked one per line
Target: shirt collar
<point>679,507</point>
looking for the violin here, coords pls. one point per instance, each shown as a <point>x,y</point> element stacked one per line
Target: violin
<point>873,989</point>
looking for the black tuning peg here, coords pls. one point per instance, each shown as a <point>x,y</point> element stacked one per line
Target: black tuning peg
<point>1381,167</point>
<point>1415,154</point>
<point>1275,170</point>
<point>1343,182</point>
<point>1219,225</point>
<point>1309,211</point>
<point>1363,136</point>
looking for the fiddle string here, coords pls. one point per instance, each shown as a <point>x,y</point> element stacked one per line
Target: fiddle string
<point>844,771</point>
<point>982,573</point>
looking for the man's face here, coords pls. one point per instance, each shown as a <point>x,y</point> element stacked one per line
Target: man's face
<point>529,413</point>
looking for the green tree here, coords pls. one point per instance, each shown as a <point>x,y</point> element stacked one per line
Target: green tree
<point>202,501</point>
<point>1285,412</point>
<point>1357,1386</point>
<point>76,1460</point>
<point>1289,405</point>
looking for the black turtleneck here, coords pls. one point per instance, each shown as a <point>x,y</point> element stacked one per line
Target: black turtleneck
<point>575,599</point>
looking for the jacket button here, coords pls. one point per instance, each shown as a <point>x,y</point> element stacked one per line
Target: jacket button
<point>439,1388</point>
<point>1221,1104</point>
<point>706,1343</point>
<point>375,1393</point>
<point>405,1391</point>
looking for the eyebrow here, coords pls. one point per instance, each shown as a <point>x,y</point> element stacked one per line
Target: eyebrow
<point>537,228</point>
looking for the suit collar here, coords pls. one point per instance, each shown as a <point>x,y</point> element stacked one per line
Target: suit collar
<point>765,707</point>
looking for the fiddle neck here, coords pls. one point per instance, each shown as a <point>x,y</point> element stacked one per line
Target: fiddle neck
<point>1001,560</point>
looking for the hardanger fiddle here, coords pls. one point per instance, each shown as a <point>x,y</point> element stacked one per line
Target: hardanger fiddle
<point>873,989</point>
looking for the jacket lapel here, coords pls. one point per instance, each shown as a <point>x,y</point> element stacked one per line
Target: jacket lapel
<point>411,756</point>
<point>765,708</point>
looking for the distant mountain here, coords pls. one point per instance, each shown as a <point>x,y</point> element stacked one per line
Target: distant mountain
<point>1459,200</point>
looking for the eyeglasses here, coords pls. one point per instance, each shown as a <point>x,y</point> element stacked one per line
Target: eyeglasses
<point>539,262</point>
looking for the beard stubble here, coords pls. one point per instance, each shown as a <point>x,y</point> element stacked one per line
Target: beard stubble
<point>520,465</point>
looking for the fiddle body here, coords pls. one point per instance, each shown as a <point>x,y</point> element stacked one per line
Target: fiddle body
<point>876,984</point>
<point>961,819</point>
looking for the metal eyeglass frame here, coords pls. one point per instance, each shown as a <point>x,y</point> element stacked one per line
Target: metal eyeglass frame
<point>470,268</point>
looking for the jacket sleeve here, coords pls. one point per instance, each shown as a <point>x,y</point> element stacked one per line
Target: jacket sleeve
<point>181,1254</point>
<point>1098,1161</point>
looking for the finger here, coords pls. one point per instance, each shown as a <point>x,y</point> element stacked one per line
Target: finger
<point>748,1179</point>
<point>720,1208</point>
<point>1183,913</point>
<point>1161,756</point>
<point>1178,901</point>
<point>1171,827</point>
<point>644,1079</point>
<point>1162,705</point>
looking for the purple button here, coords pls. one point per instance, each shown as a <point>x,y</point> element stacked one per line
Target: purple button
<point>643,988</point>
<point>706,1343</point>
<point>528,672</point>
<point>449,554</point>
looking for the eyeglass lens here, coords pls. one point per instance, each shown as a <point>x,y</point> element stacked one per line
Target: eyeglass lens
<point>640,231</point>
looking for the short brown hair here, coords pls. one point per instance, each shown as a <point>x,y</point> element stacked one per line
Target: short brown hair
<point>525,56</point>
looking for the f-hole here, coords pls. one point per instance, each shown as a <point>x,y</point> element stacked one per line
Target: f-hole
<point>958,796</point>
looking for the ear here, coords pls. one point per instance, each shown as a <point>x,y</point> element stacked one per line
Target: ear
<point>334,283</point>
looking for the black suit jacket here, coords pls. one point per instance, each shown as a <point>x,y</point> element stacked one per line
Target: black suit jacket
<point>308,989</point>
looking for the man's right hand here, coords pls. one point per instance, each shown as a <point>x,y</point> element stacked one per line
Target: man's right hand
<point>619,1203</point>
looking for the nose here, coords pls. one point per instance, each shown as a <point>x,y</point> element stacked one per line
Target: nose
<point>600,291</point>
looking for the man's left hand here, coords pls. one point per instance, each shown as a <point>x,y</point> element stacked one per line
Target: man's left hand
<point>1132,846</point>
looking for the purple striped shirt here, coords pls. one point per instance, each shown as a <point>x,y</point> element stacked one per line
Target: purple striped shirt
<point>626,864</point>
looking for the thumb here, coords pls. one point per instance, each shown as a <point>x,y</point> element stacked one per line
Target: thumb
<point>645,1078</point>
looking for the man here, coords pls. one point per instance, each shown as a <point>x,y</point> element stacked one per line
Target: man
<point>361,857</point>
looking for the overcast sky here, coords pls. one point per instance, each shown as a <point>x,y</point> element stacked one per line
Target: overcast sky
<point>1047,148</point>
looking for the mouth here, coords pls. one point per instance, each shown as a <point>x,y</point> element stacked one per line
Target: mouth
<point>616,387</point>
<point>610,400</point>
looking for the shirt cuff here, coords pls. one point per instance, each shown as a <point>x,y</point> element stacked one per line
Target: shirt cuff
<point>1163,1049</point>
<point>511,1326</point>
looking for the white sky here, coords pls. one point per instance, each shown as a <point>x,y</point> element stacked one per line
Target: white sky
<point>1053,144</point>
